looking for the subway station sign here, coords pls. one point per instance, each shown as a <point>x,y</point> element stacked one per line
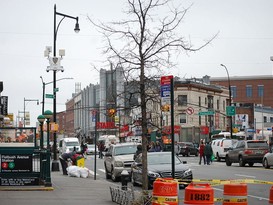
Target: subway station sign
<point>16,163</point>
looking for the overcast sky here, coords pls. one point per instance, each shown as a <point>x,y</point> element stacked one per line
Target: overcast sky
<point>244,44</point>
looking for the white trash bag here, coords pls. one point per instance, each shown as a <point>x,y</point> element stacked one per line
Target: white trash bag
<point>84,172</point>
<point>73,171</point>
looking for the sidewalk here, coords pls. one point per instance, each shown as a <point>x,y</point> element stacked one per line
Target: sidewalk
<point>65,191</point>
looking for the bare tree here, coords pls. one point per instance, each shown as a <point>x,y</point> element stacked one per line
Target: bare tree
<point>143,45</point>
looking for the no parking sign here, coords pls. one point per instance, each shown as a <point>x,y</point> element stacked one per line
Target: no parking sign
<point>189,110</point>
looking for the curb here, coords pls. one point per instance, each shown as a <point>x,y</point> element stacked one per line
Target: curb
<point>26,188</point>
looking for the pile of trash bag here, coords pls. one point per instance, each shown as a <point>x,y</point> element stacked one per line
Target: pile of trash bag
<point>75,171</point>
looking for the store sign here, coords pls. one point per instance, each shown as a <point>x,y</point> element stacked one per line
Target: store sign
<point>106,125</point>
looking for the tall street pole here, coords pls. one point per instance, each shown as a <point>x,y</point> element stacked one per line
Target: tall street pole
<point>229,88</point>
<point>55,163</point>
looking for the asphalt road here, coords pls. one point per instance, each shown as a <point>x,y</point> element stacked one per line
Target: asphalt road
<point>259,180</point>
<point>80,191</point>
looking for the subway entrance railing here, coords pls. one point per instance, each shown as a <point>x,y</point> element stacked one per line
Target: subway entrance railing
<point>23,162</point>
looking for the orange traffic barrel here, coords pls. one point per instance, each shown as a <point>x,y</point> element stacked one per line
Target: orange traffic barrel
<point>165,191</point>
<point>199,194</point>
<point>235,194</point>
<point>271,196</point>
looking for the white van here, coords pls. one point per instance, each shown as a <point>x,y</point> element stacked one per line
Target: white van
<point>68,144</point>
<point>108,140</point>
<point>220,147</point>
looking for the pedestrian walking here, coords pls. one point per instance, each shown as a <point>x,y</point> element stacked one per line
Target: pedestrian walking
<point>83,149</point>
<point>208,152</point>
<point>176,148</point>
<point>201,152</point>
<point>157,147</point>
<point>101,148</point>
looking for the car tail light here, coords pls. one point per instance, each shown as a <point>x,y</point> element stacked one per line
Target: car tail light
<point>221,144</point>
<point>247,151</point>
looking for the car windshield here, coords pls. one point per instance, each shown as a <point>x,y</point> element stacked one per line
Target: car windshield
<point>257,144</point>
<point>123,150</point>
<point>72,143</point>
<point>161,159</point>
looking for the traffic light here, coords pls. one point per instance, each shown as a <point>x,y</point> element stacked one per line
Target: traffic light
<point>165,108</point>
<point>111,112</point>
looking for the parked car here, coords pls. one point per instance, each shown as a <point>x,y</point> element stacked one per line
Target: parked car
<point>119,157</point>
<point>247,152</point>
<point>90,149</point>
<point>268,159</point>
<point>220,147</point>
<point>160,166</point>
<point>187,149</point>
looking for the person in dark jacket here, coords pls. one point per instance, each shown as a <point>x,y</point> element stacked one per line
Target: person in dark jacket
<point>208,152</point>
<point>138,151</point>
<point>64,158</point>
<point>101,148</point>
<point>158,147</point>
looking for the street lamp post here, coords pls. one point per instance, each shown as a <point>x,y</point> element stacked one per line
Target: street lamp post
<point>56,67</point>
<point>25,108</point>
<point>48,115</point>
<point>41,119</point>
<point>229,88</point>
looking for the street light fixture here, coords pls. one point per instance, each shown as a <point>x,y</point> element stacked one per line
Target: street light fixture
<point>44,84</point>
<point>229,88</point>
<point>55,66</point>
<point>25,108</point>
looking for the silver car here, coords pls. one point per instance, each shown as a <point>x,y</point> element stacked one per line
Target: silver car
<point>90,149</point>
<point>247,152</point>
<point>119,157</point>
<point>268,159</point>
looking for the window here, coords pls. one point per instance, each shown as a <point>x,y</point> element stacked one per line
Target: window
<point>224,105</point>
<point>218,104</point>
<point>249,91</point>
<point>182,118</point>
<point>182,100</point>
<point>271,119</point>
<point>233,91</point>
<point>265,119</point>
<point>210,101</point>
<point>260,90</point>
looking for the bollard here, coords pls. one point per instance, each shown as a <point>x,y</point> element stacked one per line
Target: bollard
<point>271,196</point>
<point>197,194</point>
<point>125,178</point>
<point>235,194</point>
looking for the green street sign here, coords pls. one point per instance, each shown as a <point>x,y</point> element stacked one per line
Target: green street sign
<point>206,113</point>
<point>49,96</point>
<point>230,111</point>
<point>56,89</point>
